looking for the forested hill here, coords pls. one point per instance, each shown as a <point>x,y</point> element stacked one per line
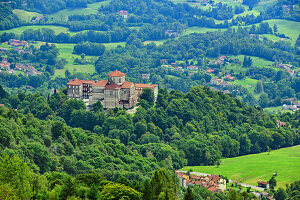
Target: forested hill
<point>197,128</point>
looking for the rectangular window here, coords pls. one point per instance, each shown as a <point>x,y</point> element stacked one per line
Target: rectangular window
<point>110,93</point>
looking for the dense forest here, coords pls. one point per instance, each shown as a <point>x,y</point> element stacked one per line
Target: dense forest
<point>95,153</point>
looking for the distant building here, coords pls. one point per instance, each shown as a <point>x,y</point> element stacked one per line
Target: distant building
<point>228,77</point>
<point>263,184</point>
<point>210,70</point>
<point>114,92</point>
<point>123,13</point>
<point>213,183</point>
<point>193,68</point>
<point>145,76</point>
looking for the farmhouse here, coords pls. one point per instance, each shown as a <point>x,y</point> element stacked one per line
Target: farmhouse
<point>114,92</point>
<point>263,184</point>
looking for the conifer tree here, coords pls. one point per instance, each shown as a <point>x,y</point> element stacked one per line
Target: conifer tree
<point>189,194</point>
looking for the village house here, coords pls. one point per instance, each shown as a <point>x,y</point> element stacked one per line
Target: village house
<point>213,183</point>
<point>163,61</point>
<point>145,76</point>
<point>179,69</point>
<point>123,13</point>
<point>192,68</point>
<point>290,107</point>
<point>215,81</point>
<point>37,19</point>
<point>17,43</point>
<point>224,84</point>
<point>228,77</point>
<point>171,33</point>
<point>114,92</point>
<point>263,184</point>
<point>5,65</point>
<point>210,71</point>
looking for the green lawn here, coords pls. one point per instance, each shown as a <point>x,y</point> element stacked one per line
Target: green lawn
<point>259,167</point>
<point>26,15</point>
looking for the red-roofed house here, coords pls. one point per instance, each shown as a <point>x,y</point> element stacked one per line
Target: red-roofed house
<point>263,184</point>
<point>114,92</point>
<point>210,70</point>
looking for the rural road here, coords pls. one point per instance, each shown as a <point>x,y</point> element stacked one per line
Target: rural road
<point>230,181</point>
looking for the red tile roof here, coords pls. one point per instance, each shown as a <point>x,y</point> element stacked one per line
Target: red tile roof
<point>140,85</point>
<point>79,82</point>
<point>116,73</point>
<point>263,182</point>
<point>210,70</point>
<point>112,86</point>
<point>75,82</point>
<point>127,84</point>
<point>101,83</point>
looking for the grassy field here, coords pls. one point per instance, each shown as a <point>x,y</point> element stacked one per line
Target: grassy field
<point>65,51</point>
<point>26,15</point>
<point>196,29</point>
<point>259,167</point>
<point>263,4</point>
<point>289,28</point>
<point>19,30</point>
<point>63,14</point>
<point>157,42</point>
<point>276,110</point>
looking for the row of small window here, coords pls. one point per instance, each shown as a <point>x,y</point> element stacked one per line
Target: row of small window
<point>73,86</point>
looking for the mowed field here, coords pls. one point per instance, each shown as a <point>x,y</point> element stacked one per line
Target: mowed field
<point>259,167</point>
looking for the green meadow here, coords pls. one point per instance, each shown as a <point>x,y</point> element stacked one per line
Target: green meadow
<point>26,15</point>
<point>65,51</point>
<point>196,29</point>
<point>64,14</point>
<point>259,167</point>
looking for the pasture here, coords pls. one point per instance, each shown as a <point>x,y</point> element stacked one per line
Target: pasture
<point>259,167</point>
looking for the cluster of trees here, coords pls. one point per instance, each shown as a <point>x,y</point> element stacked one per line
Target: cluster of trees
<point>47,7</point>
<point>88,48</point>
<point>8,19</point>
<point>251,3</point>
